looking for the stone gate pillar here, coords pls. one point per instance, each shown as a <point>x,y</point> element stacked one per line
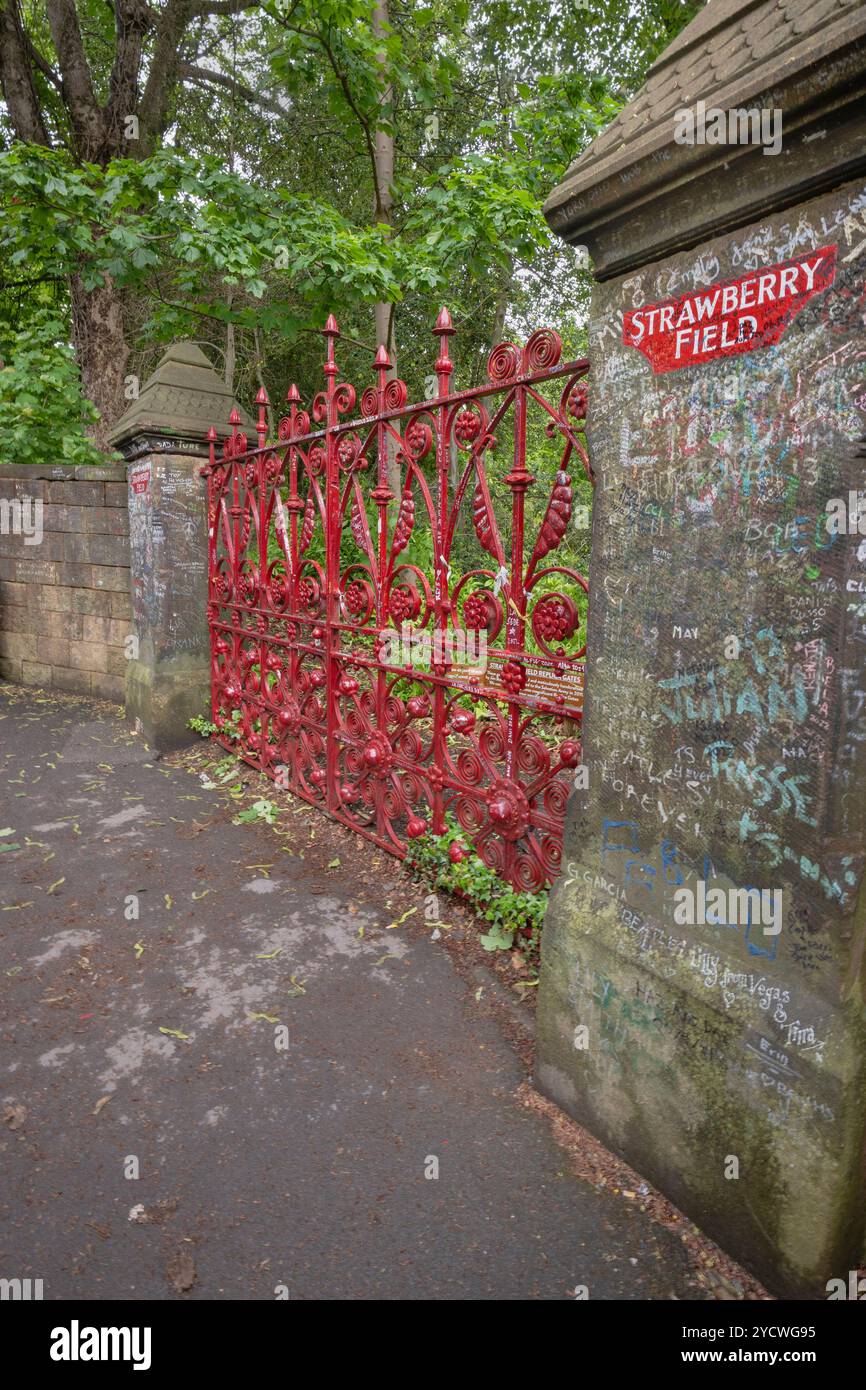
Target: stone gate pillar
<point>162,437</point>
<point>713,1036</point>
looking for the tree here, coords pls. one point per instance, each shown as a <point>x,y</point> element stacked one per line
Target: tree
<point>221,167</point>
<point>71,72</point>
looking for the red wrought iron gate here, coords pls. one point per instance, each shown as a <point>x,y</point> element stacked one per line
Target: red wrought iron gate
<point>398,659</point>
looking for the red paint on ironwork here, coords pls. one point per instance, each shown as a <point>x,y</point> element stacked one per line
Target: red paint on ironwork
<point>722,320</point>
<point>308,564</point>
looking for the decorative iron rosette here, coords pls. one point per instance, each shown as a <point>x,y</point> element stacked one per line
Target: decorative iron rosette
<point>349,455</point>
<point>507,808</point>
<point>288,721</point>
<point>578,400</point>
<point>278,590</point>
<point>272,468</point>
<point>377,755</point>
<point>513,677</point>
<point>469,424</point>
<point>404,603</point>
<point>482,612</point>
<point>359,597</point>
<point>310,594</point>
<point>248,585</point>
<point>223,588</point>
<point>555,618</point>
<point>418,437</point>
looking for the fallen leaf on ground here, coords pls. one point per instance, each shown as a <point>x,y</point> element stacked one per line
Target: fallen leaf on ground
<point>100,1104</point>
<point>180,1271</point>
<point>174,1033</point>
<point>14,1116</point>
<point>400,920</point>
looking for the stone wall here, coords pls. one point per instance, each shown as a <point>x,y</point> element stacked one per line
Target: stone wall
<point>724,1054</point>
<point>65,609</point>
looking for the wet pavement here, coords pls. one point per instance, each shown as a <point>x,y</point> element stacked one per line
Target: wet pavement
<point>192,1001</point>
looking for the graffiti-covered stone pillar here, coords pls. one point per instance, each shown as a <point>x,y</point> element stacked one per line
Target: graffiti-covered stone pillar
<point>162,437</point>
<point>702,991</point>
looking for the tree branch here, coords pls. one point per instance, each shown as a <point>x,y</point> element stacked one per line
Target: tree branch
<point>221,79</point>
<point>155,102</point>
<point>208,7</point>
<point>77,86</point>
<point>132,19</point>
<point>16,77</point>
<point>38,61</point>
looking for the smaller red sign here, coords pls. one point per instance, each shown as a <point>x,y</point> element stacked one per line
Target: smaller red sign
<point>139,479</point>
<point>737,316</point>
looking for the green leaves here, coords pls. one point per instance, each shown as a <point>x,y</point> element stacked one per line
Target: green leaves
<point>190,219</point>
<point>260,810</point>
<point>514,918</point>
<point>42,412</point>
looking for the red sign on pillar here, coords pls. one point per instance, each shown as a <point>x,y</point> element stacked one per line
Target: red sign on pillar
<point>734,317</point>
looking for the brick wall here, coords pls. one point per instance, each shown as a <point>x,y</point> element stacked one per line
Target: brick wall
<point>65,608</point>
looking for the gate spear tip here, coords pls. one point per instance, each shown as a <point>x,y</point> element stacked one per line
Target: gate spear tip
<point>443,323</point>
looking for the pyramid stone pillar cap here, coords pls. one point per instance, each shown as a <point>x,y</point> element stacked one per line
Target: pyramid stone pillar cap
<point>180,401</point>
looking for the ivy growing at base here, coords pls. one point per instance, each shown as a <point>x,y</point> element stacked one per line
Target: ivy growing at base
<point>447,861</point>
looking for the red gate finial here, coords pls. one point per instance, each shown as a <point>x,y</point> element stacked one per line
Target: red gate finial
<point>444,366</point>
<point>262,402</point>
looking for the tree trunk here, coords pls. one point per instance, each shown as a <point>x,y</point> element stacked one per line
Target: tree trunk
<point>229,374</point>
<point>101,350</point>
<point>383,204</point>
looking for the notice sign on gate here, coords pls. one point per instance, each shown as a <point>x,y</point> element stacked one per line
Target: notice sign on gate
<point>735,317</point>
<point>561,685</point>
